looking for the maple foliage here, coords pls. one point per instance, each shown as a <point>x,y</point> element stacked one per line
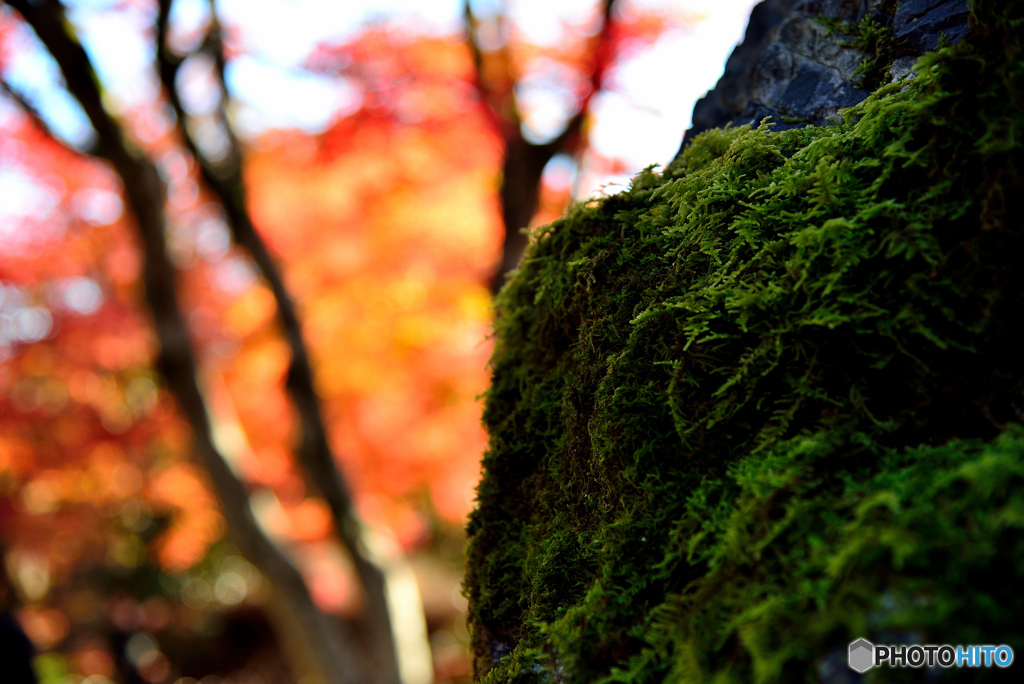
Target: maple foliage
<point>386,238</point>
<point>387,227</point>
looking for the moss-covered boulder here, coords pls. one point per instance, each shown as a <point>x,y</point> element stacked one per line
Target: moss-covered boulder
<point>767,401</point>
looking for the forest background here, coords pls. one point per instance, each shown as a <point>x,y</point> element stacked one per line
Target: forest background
<point>337,192</point>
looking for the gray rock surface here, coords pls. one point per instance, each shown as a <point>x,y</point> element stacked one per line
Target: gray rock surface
<point>921,22</point>
<point>789,66</point>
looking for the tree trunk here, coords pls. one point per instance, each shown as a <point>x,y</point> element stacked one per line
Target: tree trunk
<point>333,650</point>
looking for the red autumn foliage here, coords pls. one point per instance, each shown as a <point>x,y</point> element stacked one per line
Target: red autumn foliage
<point>387,227</point>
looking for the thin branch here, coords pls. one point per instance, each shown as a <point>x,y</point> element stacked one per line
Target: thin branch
<point>524,161</point>
<point>225,180</point>
<point>334,652</point>
<point>470,21</point>
<point>503,119</point>
<point>499,100</point>
<point>214,46</point>
<point>600,61</point>
<point>168,65</point>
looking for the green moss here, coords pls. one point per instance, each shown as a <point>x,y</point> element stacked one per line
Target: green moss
<point>765,402</point>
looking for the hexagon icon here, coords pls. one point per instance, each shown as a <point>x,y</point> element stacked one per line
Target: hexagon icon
<point>862,655</point>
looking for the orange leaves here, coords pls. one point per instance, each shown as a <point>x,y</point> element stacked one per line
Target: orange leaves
<point>396,71</point>
<point>269,466</point>
<point>122,264</point>
<point>103,478</point>
<point>252,310</point>
<point>44,626</point>
<point>15,456</point>
<point>309,520</point>
<point>181,488</point>
<point>386,227</point>
<point>120,349</point>
<point>327,571</point>
<point>94,659</point>
<point>185,543</point>
<point>263,365</point>
<point>44,492</point>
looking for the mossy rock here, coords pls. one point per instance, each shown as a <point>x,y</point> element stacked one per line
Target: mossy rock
<point>768,401</point>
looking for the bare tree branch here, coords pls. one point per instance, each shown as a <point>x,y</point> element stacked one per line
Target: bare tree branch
<point>524,161</point>
<point>334,653</point>
<point>601,59</point>
<point>499,100</point>
<point>383,615</point>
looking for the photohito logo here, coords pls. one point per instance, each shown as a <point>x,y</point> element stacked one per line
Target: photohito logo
<point>864,655</point>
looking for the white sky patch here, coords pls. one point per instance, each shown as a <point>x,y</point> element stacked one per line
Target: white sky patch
<point>274,96</point>
<point>98,207</point>
<point>81,295</point>
<point>33,73</point>
<point>188,18</point>
<point>120,51</point>
<point>21,198</point>
<point>643,122</point>
<point>540,21</point>
<point>197,85</point>
<point>285,30</point>
<point>659,87</point>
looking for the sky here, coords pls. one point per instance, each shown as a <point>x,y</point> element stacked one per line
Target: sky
<point>641,122</point>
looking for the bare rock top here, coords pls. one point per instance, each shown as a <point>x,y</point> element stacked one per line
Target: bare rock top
<point>791,67</point>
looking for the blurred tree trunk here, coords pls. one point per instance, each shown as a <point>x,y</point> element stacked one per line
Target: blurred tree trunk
<point>384,613</point>
<point>331,649</point>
